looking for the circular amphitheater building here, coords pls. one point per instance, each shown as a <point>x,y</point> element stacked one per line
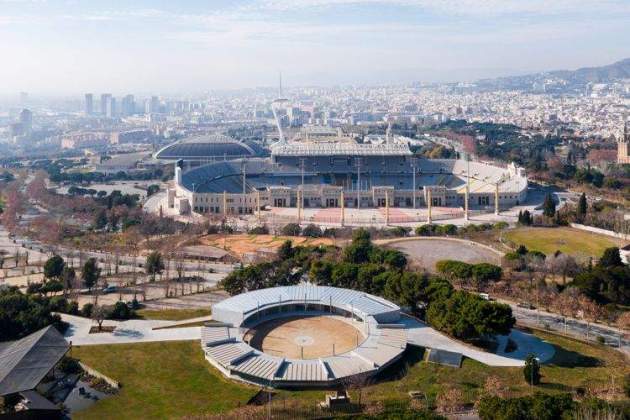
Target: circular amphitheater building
<point>303,336</point>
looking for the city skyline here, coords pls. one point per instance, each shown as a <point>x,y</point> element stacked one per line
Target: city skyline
<point>70,47</point>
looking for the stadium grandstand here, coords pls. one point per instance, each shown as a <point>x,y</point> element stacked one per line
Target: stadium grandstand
<point>346,174</point>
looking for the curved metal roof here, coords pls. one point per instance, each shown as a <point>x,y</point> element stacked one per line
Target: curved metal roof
<point>206,147</point>
<point>361,302</point>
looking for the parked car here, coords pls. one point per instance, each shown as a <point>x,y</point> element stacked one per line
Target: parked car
<point>110,289</point>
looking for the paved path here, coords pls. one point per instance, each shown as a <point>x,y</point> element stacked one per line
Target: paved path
<point>132,331</point>
<point>420,334</point>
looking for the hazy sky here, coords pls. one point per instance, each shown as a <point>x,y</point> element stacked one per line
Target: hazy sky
<point>73,46</point>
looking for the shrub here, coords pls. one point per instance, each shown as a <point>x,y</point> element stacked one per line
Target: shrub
<point>73,308</point>
<point>312,231</point>
<point>536,254</point>
<point>86,310</point>
<point>259,230</point>
<point>446,229</point>
<point>331,232</point>
<point>398,232</point>
<point>539,407</point>
<point>121,311</point>
<point>58,304</point>
<point>484,272</point>
<point>500,225</point>
<point>626,385</point>
<point>454,269</point>
<point>69,365</point>
<point>292,229</point>
<point>425,230</point>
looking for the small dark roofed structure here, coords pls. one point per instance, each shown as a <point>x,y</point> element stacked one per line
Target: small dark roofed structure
<point>25,362</point>
<point>446,358</point>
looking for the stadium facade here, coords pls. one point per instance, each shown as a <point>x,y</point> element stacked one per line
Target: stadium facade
<point>347,174</point>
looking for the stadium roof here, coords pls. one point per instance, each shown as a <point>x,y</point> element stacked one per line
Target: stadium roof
<point>25,362</point>
<point>206,147</point>
<point>244,304</point>
<point>340,148</point>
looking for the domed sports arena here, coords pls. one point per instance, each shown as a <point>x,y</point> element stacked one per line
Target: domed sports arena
<point>207,148</point>
<point>344,174</point>
<point>303,336</point>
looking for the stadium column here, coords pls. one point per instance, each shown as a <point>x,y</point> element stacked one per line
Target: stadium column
<point>343,209</point>
<point>225,210</point>
<point>429,203</point>
<point>386,208</point>
<point>258,204</point>
<point>496,199</point>
<point>299,206</point>
<point>466,193</point>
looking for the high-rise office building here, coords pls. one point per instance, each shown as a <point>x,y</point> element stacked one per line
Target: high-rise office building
<point>128,106</point>
<point>106,105</point>
<point>89,104</point>
<point>152,106</point>
<point>26,120</point>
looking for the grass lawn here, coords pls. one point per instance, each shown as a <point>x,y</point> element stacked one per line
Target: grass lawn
<point>172,314</point>
<point>567,240</point>
<point>160,380</point>
<point>575,365</point>
<point>168,380</point>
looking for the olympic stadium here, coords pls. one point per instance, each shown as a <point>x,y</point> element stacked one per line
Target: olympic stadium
<point>342,173</point>
<point>303,336</point>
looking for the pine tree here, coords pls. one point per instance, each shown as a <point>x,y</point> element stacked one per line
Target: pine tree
<point>549,206</point>
<point>531,371</point>
<point>582,208</point>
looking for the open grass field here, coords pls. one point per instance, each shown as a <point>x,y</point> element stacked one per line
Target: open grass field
<point>168,380</point>
<point>246,243</point>
<point>567,240</point>
<point>159,381</point>
<point>172,314</point>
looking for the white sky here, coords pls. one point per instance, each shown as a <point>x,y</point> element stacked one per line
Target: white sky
<point>74,46</point>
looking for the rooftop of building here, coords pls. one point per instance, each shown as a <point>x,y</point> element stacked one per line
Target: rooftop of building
<point>207,146</point>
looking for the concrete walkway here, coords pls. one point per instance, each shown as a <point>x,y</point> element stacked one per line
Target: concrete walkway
<point>132,331</point>
<point>420,334</point>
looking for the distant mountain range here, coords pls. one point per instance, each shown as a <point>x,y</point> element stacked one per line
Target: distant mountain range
<point>573,79</point>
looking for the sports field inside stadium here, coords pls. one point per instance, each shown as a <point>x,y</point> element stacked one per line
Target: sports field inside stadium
<point>309,337</point>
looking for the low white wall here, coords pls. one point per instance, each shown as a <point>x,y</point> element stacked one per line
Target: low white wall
<point>600,231</point>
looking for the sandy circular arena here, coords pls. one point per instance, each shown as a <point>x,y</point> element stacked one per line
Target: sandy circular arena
<point>307,337</point>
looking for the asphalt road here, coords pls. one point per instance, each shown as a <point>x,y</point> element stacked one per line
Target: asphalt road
<point>573,326</point>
